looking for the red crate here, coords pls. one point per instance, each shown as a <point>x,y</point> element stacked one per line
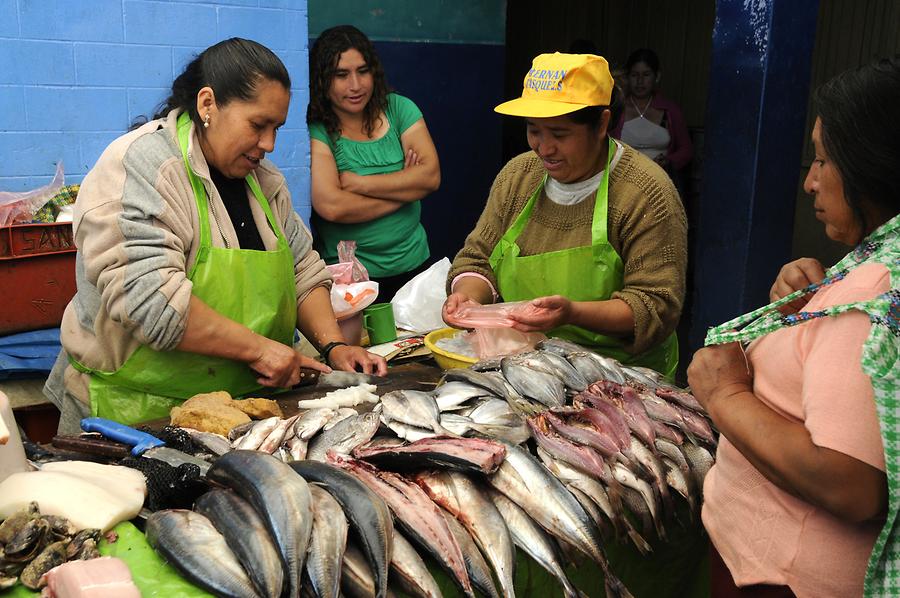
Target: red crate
<point>37,275</point>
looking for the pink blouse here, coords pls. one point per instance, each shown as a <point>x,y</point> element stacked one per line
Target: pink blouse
<point>811,374</point>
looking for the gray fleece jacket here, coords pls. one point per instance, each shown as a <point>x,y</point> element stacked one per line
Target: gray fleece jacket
<point>137,232</point>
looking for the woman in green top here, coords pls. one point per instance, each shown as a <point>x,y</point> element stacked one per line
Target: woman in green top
<point>372,161</point>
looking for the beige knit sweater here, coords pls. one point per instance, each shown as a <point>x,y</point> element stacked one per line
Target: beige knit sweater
<point>646,227</point>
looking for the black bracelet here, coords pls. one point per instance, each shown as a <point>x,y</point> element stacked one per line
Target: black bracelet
<point>326,350</point>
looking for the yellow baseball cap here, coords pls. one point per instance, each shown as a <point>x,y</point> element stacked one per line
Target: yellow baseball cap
<point>559,83</point>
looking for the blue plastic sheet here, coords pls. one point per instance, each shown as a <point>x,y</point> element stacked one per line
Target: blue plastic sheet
<point>31,352</point>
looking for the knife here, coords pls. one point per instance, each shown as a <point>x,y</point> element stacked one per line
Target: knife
<point>335,379</point>
<point>142,443</point>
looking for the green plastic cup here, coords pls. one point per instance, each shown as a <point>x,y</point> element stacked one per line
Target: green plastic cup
<point>378,320</point>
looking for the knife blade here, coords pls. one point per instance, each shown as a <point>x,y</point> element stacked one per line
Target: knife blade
<point>335,379</point>
<point>143,444</point>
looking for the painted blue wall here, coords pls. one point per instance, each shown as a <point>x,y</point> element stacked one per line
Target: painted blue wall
<point>75,73</point>
<point>755,118</point>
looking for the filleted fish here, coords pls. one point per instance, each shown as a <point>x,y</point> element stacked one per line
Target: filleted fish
<point>464,499</point>
<point>416,513</point>
<point>474,454</point>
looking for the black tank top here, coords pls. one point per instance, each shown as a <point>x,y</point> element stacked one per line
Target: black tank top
<point>234,196</point>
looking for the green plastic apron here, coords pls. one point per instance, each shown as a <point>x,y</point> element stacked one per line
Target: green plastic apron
<point>253,288</point>
<point>588,273</point>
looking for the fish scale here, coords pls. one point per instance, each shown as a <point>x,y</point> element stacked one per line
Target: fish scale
<point>190,542</point>
<point>419,516</point>
<point>366,511</point>
<point>526,482</point>
<point>280,496</point>
<point>246,535</point>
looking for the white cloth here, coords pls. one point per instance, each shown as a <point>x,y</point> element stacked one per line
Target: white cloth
<point>569,194</point>
<point>646,137</point>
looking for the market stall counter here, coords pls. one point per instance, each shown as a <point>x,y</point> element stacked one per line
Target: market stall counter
<point>406,402</point>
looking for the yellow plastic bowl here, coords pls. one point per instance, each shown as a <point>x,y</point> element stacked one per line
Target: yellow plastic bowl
<point>444,358</point>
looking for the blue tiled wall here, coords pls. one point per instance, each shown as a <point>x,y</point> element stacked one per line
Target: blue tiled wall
<point>75,73</point>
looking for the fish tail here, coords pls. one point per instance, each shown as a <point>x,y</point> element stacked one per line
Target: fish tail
<point>614,586</point>
<point>637,539</point>
<point>614,491</point>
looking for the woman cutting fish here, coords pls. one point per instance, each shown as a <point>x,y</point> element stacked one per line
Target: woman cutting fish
<point>587,228</point>
<point>194,270</point>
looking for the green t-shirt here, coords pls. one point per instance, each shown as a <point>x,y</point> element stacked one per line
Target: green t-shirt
<point>395,243</point>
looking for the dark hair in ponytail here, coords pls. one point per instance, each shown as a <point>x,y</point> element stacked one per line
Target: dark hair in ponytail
<point>232,68</point>
<point>861,135</point>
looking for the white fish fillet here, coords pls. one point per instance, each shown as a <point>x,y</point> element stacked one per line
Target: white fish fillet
<point>97,578</point>
<point>343,397</point>
<point>90,495</point>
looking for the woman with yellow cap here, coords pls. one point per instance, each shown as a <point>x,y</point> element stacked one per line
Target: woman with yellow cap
<point>587,228</point>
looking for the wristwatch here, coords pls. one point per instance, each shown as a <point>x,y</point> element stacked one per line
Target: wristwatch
<point>326,350</point>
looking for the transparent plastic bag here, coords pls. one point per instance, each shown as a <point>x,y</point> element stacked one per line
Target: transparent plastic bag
<point>496,315</point>
<point>352,290</point>
<point>495,342</point>
<point>346,251</point>
<point>341,273</point>
<point>20,207</point>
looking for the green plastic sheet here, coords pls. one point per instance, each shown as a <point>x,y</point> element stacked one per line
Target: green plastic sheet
<point>153,577</point>
<point>677,568</point>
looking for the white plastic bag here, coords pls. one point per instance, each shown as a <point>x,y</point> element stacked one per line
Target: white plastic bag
<point>418,303</point>
<point>347,299</point>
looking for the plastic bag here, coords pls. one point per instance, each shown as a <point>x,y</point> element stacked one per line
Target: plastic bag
<point>496,315</point>
<point>20,207</point>
<point>347,299</point>
<point>352,290</point>
<point>346,251</point>
<point>341,273</point>
<point>494,342</point>
<point>418,303</point>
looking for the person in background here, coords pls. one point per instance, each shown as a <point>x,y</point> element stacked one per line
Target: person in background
<point>372,161</point>
<point>652,123</point>
<point>807,460</point>
<point>588,229</point>
<point>193,268</point>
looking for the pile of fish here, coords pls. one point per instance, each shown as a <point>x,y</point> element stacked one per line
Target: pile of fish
<point>303,436</point>
<point>557,452</point>
<point>32,544</point>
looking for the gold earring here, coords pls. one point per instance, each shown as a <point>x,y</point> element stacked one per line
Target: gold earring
<point>206,121</point>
